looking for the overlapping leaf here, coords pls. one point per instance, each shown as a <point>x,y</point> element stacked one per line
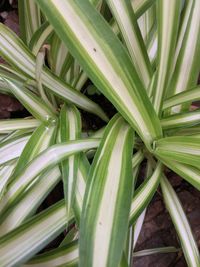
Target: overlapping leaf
<point>104,59</point>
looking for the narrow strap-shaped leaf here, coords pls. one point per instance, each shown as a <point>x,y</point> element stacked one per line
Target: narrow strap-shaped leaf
<point>70,129</point>
<point>25,241</point>
<point>30,19</point>
<point>80,81</point>
<point>59,53</point>
<point>17,133</point>
<point>138,227</point>
<point>5,173</point>
<point>183,97</point>
<point>64,256</point>
<point>181,224</point>
<point>168,13</point>
<point>152,48</point>
<point>2,136</point>
<point>144,194</point>
<point>40,36</point>
<point>83,171</point>
<point>185,20</point>
<point>102,56</point>
<point>128,249</point>
<point>140,6</point>
<point>187,67</point>
<point>4,89</point>
<point>67,71</point>
<point>9,72</point>
<point>4,72</point>
<point>35,105</point>
<point>82,175</point>
<point>129,28</point>
<point>20,57</point>
<point>195,130</point>
<point>9,125</point>
<point>187,172</point>
<point>153,251</point>
<point>41,139</point>
<point>68,255</point>
<point>47,159</point>
<point>185,119</point>
<point>97,134</point>
<point>137,158</point>
<point>40,60</point>
<point>106,207</point>
<point>184,149</point>
<point>29,201</point>
<point>147,24</point>
<point>72,235</point>
<point>12,148</point>
<point>36,237</point>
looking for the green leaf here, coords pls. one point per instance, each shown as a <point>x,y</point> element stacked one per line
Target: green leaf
<point>29,201</point>
<point>12,148</point>
<point>152,251</point>
<point>147,25</point>
<point>5,173</point>
<point>140,6</point>
<point>6,126</point>
<point>144,194</point>
<point>35,105</point>
<point>40,36</point>
<point>130,31</point>
<point>91,41</point>
<point>186,71</point>
<point>188,244</point>
<point>107,198</point>
<point>68,256</point>
<point>41,139</point>
<point>25,241</point>
<point>29,19</point>
<point>44,161</point>
<point>19,56</point>
<point>182,97</point>
<point>194,130</point>
<point>187,7</point>
<point>182,120</point>
<point>168,13</point>
<point>138,227</point>
<point>9,72</point>
<point>61,60</point>
<point>184,149</point>
<point>40,61</point>
<point>64,256</point>
<point>187,172</point>
<point>83,171</point>
<point>70,129</point>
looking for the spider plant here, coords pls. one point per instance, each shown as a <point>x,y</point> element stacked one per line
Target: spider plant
<point>143,56</point>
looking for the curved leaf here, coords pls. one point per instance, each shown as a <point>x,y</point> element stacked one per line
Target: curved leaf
<point>107,198</point>
<point>91,41</point>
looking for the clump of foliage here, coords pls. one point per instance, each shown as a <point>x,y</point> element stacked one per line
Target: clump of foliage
<point>143,56</point>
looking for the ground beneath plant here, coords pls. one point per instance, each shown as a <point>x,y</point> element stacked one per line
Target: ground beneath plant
<point>158,230</point>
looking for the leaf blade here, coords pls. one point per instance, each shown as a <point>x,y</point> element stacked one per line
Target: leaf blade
<point>92,251</point>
